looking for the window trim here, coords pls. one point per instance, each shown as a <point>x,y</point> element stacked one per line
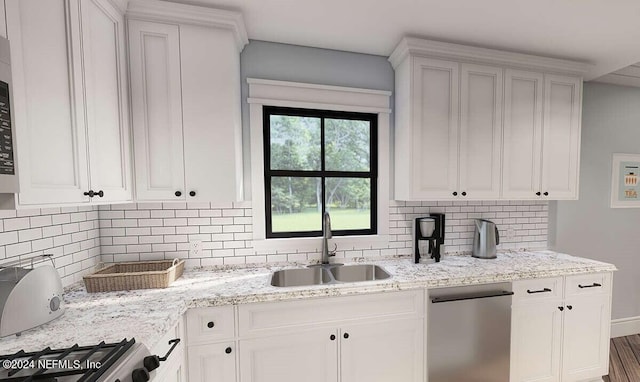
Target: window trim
<point>372,174</point>
<point>325,97</point>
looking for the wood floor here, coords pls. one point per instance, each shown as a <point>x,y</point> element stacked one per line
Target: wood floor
<point>624,362</point>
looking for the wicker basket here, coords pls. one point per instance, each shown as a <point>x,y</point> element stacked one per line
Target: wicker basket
<point>138,275</point>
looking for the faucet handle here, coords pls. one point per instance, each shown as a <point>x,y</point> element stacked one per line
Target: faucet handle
<point>335,249</point>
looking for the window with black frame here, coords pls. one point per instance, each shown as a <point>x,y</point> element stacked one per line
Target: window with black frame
<point>317,161</point>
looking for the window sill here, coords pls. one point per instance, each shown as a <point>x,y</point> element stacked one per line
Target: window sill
<point>314,244</point>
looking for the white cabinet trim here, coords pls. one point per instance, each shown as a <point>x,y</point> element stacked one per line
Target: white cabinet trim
<point>295,94</point>
<point>173,13</point>
<point>422,47</point>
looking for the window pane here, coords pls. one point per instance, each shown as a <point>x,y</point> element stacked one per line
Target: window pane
<point>295,204</point>
<point>295,142</point>
<point>347,145</point>
<point>349,203</point>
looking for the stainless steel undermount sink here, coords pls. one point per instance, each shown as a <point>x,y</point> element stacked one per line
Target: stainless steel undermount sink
<point>360,272</point>
<point>328,274</point>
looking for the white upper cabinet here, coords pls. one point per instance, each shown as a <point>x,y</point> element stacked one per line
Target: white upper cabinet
<point>522,150</point>
<point>48,106</point>
<point>104,58</point>
<point>561,136</point>
<point>70,104</point>
<point>481,124</point>
<point>434,140</point>
<point>156,102</point>
<point>185,89</point>
<point>480,131</point>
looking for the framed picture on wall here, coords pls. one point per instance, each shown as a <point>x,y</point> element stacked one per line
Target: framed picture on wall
<point>625,181</point>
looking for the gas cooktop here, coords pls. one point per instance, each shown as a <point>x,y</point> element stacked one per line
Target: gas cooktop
<point>124,361</point>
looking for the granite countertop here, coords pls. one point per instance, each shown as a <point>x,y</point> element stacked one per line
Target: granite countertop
<point>148,314</point>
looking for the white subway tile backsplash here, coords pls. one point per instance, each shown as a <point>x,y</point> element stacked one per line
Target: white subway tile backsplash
<point>80,237</point>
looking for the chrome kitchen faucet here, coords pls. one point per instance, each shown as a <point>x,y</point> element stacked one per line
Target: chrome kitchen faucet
<point>326,234</point>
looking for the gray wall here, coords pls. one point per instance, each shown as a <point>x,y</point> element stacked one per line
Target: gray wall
<point>589,227</point>
<point>273,61</point>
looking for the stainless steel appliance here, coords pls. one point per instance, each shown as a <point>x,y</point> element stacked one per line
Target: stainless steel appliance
<point>8,170</point>
<point>124,361</point>
<point>485,239</point>
<point>431,229</point>
<point>30,294</point>
<point>469,333</point>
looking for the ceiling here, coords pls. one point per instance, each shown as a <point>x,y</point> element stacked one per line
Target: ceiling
<point>604,33</point>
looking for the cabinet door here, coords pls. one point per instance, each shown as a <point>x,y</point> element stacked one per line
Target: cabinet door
<point>435,129</point>
<point>308,356</point>
<point>480,131</point>
<point>382,352</point>
<point>536,341</point>
<point>211,114</point>
<point>585,353</point>
<point>561,136</point>
<point>522,145</point>
<point>47,94</point>
<point>174,370</point>
<point>156,101</point>
<point>208,363</point>
<point>103,49</point>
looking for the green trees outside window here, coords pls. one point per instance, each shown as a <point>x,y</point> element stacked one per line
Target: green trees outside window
<point>318,161</point>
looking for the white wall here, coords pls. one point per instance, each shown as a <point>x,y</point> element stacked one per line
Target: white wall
<point>589,227</point>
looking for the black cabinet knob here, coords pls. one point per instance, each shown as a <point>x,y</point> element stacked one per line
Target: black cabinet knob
<point>561,308</point>
<point>546,194</point>
<point>464,193</point>
<point>227,350</point>
<point>178,193</point>
<point>100,193</point>
<point>538,193</point>
<point>192,193</point>
<point>210,324</point>
<point>332,337</point>
<point>140,375</point>
<point>455,193</point>
<point>90,193</point>
<point>346,335</point>
<point>569,307</point>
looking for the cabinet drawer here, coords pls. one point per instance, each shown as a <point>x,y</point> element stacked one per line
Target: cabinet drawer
<point>537,289</point>
<point>260,318</point>
<point>210,324</point>
<point>595,283</point>
<point>163,346</point>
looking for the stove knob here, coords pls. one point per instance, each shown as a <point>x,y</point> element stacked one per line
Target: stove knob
<point>151,362</point>
<point>140,375</point>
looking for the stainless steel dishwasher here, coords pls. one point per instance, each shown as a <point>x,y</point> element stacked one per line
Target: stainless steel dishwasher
<point>469,331</point>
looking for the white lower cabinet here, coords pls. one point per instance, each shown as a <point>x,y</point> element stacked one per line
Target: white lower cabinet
<point>372,338</point>
<point>173,371</point>
<point>383,351</point>
<point>536,342</point>
<point>213,362</point>
<point>174,368</point>
<point>561,329</point>
<point>310,356</point>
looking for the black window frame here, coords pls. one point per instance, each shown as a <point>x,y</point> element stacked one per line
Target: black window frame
<point>372,174</point>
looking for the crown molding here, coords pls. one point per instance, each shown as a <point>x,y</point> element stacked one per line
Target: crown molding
<point>120,5</point>
<point>165,11</point>
<point>429,48</point>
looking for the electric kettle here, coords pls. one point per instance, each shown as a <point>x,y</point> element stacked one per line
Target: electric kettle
<point>485,239</point>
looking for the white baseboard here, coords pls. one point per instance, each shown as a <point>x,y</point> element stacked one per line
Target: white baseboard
<point>625,326</point>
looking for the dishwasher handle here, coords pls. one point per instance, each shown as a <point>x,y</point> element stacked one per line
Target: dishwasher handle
<point>473,296</point>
